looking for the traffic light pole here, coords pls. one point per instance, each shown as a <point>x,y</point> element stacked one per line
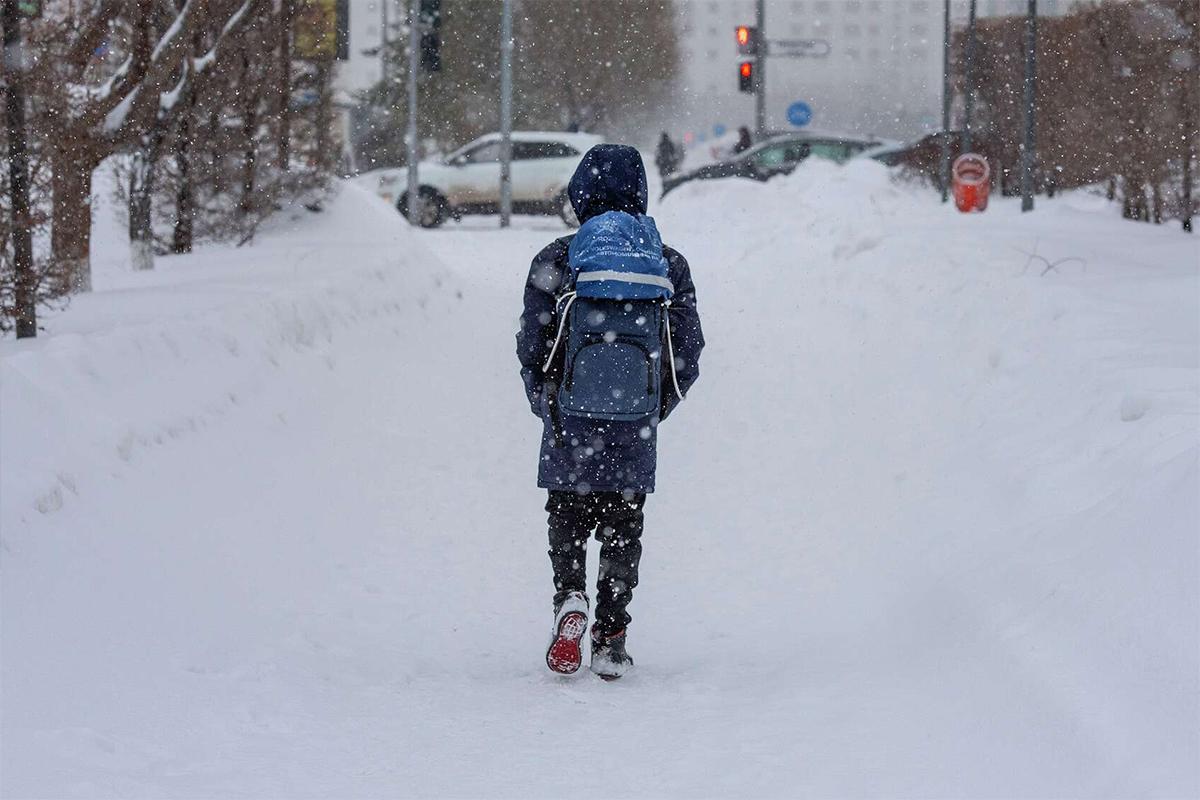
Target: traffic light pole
<point>944,172</point>
<point>969,100</point>
<point>506,46</point>
<point>1028,147</point>
<point>18,173</point>
<point>760,71</point>
<point>414,43</point>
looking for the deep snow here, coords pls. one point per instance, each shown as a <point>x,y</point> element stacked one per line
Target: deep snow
<point>927,525</point>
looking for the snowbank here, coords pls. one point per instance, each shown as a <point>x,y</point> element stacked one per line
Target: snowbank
<point>151,357</point>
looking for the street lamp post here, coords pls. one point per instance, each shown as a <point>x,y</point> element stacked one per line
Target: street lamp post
<point>969,100</point>
<point>760,72</point>
<point>1028,146</point>
<point>506,45</point>
<point>414,46</point>
<point>945,156</point>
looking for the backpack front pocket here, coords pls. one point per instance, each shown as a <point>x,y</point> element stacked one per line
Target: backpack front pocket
<point>611,377</point>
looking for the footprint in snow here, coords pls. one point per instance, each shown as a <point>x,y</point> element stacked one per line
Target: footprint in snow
<point>1134,407</point>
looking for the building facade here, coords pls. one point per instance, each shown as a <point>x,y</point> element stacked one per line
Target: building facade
<point>882,77</point>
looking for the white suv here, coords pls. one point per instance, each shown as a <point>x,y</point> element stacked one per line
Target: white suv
<point>468,180</point>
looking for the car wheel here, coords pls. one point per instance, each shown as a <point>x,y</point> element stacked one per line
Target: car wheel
<point>432,209</point>
<point>566,211</point>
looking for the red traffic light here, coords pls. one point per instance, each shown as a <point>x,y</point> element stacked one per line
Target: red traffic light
<point>747,40</point>
<point>746,76</point>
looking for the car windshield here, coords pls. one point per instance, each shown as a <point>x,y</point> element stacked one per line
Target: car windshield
<point>775,154</point>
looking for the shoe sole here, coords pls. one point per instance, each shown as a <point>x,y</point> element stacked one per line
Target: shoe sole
<point>565,655</point>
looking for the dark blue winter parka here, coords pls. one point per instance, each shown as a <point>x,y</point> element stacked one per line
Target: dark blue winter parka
<point>599,455</point>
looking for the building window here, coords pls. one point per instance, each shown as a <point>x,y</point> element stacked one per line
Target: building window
<point>852,6</point>
<point>852,54</point>
<point>852,31</point>
<point>873,29</point>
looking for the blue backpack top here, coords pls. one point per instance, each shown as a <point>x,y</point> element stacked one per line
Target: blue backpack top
<point>615,320</point>
<point>619,256</point>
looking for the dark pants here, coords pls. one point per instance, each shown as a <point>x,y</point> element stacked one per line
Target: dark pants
<point>618,525</point>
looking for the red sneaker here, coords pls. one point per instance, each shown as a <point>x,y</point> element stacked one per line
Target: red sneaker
<point>565,653</point>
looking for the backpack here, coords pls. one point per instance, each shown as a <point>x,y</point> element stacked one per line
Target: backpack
<point>614,321</point>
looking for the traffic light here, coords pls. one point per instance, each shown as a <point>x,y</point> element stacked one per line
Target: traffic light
<point>746,76</point>
<point>747,40</point>
<point>430,18</point>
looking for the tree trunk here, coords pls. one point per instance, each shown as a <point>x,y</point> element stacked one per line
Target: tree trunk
<point>1188,79</point>
<point>249,157</point>
<point>285,84</point>
<point>324,109</point>
<point>71,222</point>
<point>24,280</point>
<point>185,198</point>
<point>182,233</point>
<point>1187,192</point>
<point>141,198</point>
<point>217,155</point>
<point>1156,200</point>
<point>250,154</point>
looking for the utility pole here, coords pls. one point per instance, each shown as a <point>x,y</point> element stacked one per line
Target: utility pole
<point>383,43</point>
<point>414,46</point>
<point>18,173</point>
<point>945,166</point>
<point>1028,147</point>
<point>285,85</point>
<point>760,71</point>
<point>506,46</point>
<point>969,103</point>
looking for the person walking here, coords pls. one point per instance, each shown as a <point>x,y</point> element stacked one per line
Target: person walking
<point>666,156</point>
<point>609,344</point>
<point>743,141</point>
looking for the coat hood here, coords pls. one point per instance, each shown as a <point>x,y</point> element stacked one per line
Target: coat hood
<point>611,177</point>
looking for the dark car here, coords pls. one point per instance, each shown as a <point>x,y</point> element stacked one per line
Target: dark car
<point>778,155</point>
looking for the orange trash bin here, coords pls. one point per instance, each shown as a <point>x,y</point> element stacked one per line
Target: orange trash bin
<point>971,179</point>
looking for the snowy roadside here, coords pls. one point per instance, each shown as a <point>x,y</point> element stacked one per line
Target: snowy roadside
<point>155,356</point>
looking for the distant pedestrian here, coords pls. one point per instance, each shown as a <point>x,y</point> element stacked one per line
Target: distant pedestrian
<point>667,156</point>
<point>609,343</point>
<point>743,143</point>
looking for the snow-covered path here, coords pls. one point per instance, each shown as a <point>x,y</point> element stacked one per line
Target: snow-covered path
<point>927,525</point>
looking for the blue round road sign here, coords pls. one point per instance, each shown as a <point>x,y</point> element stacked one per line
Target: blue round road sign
<point>799,113</point>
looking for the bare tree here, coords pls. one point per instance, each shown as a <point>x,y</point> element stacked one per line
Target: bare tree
<point>90,109</point>
<point>1117,91</point>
